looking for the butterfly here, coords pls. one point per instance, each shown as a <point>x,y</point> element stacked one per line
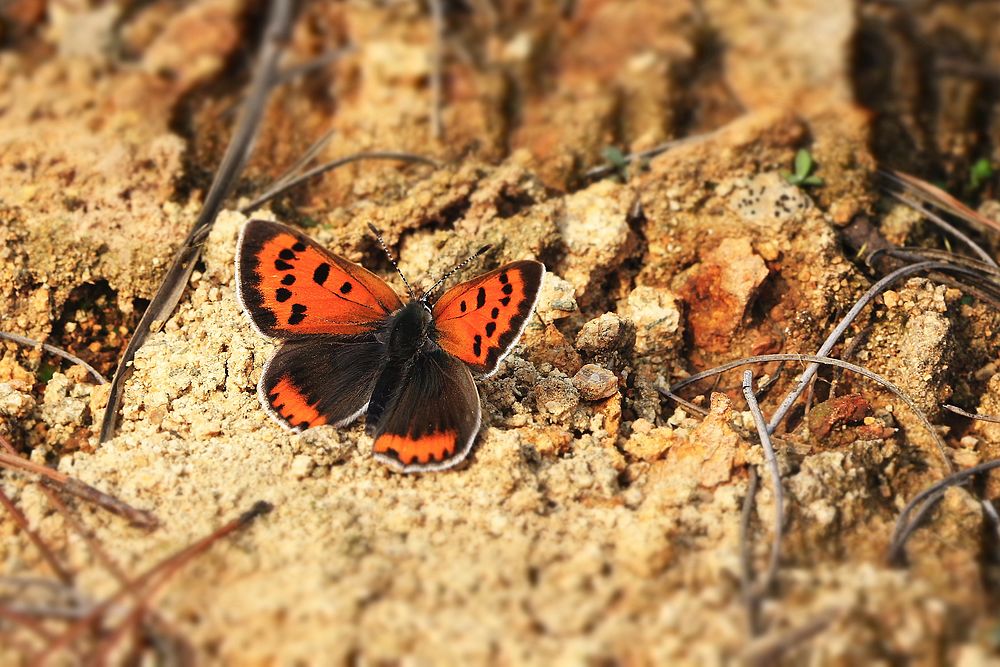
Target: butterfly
<point>351,346</point>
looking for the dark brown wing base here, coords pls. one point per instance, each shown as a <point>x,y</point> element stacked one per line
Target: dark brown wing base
<point>322,380</point>
<point>433,417</point>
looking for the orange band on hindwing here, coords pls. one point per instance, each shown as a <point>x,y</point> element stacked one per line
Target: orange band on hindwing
<point>430,448</point>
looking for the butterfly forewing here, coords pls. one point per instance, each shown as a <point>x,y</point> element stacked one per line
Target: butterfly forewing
<point>480,320</point>
<point>291,286</point>
<point>433,418</point>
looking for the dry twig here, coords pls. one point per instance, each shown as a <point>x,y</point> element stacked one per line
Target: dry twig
<point>779,495</point>
<point>168,295</point>
<point>51,349</point>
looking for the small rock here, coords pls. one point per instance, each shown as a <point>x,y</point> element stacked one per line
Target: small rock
<point>657,319</point>
<point>555,395</point>
<point>14,403</point>
<point>719,290</point>
<point>594,382</point>
<point>767,201</point>
<point>595,230</point>
<point>828,415</point>
<point>602,334</point>
<point>302,465</point>
<point>324,445</point>
<point>713,450</point>
<point>65,402</point>
<point>648,444</point>
<point>556,299</point>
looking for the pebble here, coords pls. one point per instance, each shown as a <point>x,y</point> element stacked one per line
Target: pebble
<point>595,382</point>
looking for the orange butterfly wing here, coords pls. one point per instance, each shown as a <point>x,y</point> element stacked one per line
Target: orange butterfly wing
<point>291,286</point>
<point>480,320</point>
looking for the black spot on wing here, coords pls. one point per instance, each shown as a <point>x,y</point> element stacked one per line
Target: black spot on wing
<point>462,306</point>
<point>321,273</point>
<point>282,265</point>
<point>346,288</point>
<point>477,345</point>
<point>299,246</point>
<point>508,289</point>
<point>288,280</point>
<point>481,297</point>
<point>503,278</point>
<point>495,313</point>
<point>505,301</point>
<point>283,295</point>
<point>298,314</point>
<point>286,254</point>
<point>490,328</point>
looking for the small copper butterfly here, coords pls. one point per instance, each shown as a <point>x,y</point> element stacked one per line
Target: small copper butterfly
<point>351,346</point>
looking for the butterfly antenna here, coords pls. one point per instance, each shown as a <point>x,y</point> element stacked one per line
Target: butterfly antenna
<point>392,260</point>
<point>455,270</point>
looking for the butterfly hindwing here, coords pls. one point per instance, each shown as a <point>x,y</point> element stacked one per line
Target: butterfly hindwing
<point>321,380</point>
<point>432,419</point>
<point>291,286</point>
<point>480,320</point>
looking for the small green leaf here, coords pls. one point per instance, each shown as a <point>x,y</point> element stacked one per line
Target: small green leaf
<point>803,163</point>
<point>804,166</point>
<point>45,372</point>
<point>980,172</point>
<point>614,156</point>
<point>967,300</point>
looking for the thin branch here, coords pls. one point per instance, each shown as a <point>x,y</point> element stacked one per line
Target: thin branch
<point>36,539</point>
<point>437,68</point>
<point>696,409</point>
<point>831,340</point>
<point>929,497</point>
<point>629,158</point>
<point>152,579</point>
<point>301,163</point>
<point>777,490</point>
<point>51,349</point>
<point>279,187</point>
<point>322,60</point>
<point>26,621</point>
<point>750,598</point>
<point>769,649</point>
<point>818,360</point>
<point>946,226</point>
<point>938,197</point>
<point>971,415</point>
<point>92,543</point>
<point>75,487</point>
<point>169,294</point>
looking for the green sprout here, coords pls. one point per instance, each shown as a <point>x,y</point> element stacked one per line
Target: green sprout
<point>980,172</point>
<point>45,372</point>
<point>804,167</point>
<point>615,158</point>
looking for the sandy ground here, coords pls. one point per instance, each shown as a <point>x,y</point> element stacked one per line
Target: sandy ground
<point>595,523</point>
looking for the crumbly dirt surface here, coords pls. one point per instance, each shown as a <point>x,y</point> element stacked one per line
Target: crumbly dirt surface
<point>595,522</point>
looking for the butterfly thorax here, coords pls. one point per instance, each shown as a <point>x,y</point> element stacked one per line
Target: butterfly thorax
<point>408,331</point>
